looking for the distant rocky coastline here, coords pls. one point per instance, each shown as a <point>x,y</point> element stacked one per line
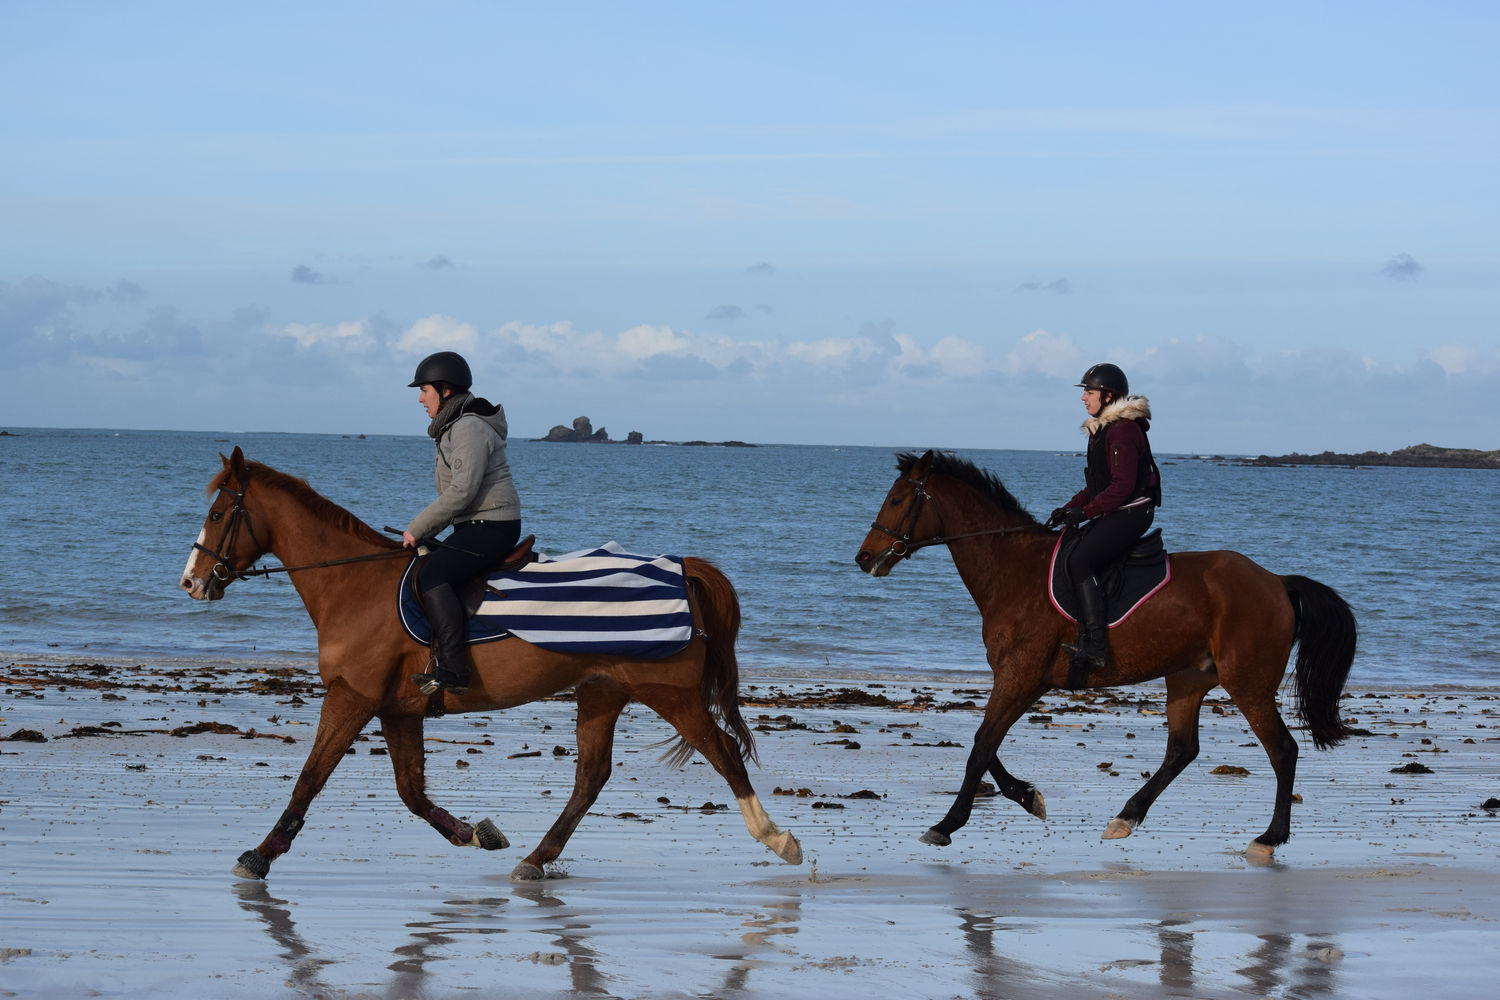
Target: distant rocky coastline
<point>1425,456</point>
<point>582,432</point>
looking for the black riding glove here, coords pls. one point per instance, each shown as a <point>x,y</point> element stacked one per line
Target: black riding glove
<point>1071,516</point>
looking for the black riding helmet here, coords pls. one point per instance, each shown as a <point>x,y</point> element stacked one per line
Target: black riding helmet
<point>1106,378</point>
<point>444,366</point>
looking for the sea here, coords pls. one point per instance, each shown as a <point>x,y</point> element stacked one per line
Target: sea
<point>96,527</point>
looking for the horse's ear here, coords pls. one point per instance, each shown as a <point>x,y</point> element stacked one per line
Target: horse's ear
<point>236,463</point>
<point>923,466</point>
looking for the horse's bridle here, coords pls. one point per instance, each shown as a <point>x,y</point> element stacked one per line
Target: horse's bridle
<point>221,572</point>
<point>904,545</point>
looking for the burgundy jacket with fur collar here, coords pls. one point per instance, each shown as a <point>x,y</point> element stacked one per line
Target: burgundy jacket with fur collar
<point>1120,467</point>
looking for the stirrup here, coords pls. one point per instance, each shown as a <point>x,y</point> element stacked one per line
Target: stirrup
<point>431,684</point>
<point>1079,665</point>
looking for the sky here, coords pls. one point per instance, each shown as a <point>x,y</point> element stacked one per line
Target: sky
<point>821,223</point>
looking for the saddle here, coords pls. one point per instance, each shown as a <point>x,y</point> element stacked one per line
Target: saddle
<point>1127,583</point>
<point>472,592</point>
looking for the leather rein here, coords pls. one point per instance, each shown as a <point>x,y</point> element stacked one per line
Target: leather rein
<point>239,515</point>
<point>904,545</point>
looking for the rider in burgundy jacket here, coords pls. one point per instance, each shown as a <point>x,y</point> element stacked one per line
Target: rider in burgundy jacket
<point>1119,501</point>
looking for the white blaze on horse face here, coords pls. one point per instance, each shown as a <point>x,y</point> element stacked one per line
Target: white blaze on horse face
<point>190,582</point>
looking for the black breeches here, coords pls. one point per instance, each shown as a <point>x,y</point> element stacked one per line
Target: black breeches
<point>1108,538</point>
<point>488,541</point>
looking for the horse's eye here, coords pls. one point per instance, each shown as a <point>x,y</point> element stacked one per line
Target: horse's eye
<point>217,515</point>
<point>897,501</point>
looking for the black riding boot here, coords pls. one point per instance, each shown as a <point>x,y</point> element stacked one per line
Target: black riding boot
<point>1092,648</point>
<point>449,670</point>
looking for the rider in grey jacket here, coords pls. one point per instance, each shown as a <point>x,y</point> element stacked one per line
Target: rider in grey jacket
<point>476,495</point>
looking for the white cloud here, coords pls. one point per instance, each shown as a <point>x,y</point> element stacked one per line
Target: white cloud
<point>438,333</point>
<point>647,341</point>
<point>1046,353</point>
<point>351,333</point>
<point>957,356</point>
<point>1465,359</point>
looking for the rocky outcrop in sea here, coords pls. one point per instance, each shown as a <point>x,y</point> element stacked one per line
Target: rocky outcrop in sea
<point>583,432</point>
<point>1424,456</point>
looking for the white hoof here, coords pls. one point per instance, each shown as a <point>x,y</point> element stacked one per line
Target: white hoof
<point>527,872</point>
<point>789,850</point>
<point>1258,853</point>
<point>1117,829</point>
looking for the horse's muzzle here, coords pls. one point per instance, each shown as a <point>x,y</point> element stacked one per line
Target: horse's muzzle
<point>876,564</point>
<point>200,589</point>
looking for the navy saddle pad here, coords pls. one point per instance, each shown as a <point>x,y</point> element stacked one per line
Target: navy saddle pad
<point>1127,584</point>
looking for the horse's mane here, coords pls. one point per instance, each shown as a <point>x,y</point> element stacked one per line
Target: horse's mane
<point>311,498</point>
<point>985,482</point>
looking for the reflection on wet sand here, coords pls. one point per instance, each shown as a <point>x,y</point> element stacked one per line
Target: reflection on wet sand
<point>563,926</point>
<point>303,966</point>
<point>567,931</point>
<point>458,917</point>
<point>1274,965</point>
<point>781,919</point>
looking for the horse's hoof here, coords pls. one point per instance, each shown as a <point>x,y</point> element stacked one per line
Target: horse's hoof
<point>251,865</point>
<point>1259,854</point>
<point>790,851</point>
<point>487,836</point>
<point>527,872</point>
<point>1117,829</point>
<point>1038,806</point>
<point>936,838</point>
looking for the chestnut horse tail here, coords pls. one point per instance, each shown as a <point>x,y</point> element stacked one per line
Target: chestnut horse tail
<point>1325,635</point>
<point>719,608</point>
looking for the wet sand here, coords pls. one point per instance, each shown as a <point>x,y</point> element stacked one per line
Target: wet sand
<point>116,840</point>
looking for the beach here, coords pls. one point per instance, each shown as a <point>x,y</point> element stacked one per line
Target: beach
<point>127,791</point>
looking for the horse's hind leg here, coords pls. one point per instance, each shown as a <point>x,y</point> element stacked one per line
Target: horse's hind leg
<point>600,702</point>
<point>1281,747</point>
<point>702,733</point>
<point>344,714</point>
<point>403,738</point>
<point>1185,692</point>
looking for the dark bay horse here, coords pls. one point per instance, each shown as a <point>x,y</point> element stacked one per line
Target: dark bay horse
<point>1221,620</point>
<point>347,575</point>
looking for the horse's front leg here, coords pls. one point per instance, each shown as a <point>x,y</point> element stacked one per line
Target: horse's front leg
<point>1022,793</point>
<point>1185,692</point>
<point>600,702</point>
<point>344,714</point>
<point>403,738</point>
<point>1000,713</point>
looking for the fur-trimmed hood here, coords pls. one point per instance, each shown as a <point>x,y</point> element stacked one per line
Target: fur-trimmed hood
<point>1125,408</point>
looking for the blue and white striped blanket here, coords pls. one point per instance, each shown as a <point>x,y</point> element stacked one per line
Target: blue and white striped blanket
<point>603,600</point>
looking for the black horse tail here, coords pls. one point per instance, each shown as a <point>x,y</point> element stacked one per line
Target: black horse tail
<point>719,609</point>
<point>1325,636</point>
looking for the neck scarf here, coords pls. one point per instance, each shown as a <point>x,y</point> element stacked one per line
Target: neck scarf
<point>451,410</point>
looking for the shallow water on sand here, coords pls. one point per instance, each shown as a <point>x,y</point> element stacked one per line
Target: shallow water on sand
<point>114,878</point>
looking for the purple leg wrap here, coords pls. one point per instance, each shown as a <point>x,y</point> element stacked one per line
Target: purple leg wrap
<point>285,829</point>
<point>456,830</point>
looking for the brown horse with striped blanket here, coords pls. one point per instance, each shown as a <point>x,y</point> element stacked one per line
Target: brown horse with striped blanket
<point>1221,620</point>
<point>347,575</point>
